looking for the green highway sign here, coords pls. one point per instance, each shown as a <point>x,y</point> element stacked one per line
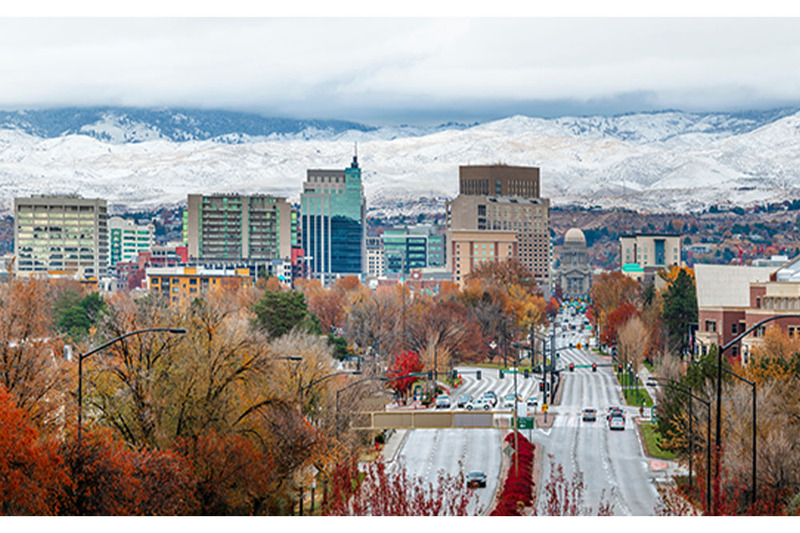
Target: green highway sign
<point>525,422</point>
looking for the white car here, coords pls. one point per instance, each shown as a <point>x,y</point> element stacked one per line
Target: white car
<point>480,404</point>
<point>508,401</point>
<point>443,401</point>
<point>616,422</point>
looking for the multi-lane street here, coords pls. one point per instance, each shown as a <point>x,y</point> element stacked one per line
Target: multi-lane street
<point>614,468</point>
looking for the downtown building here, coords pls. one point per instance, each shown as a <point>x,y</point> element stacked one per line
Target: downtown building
<point>333,223</point>
<point>61,235</point>
<point>127,239</point>
<point>502,198</point>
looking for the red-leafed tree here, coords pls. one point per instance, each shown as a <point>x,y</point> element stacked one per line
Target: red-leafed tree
<point>32,475</point>
<point>405,363</point>
<point>387,490</point>
<point>552,307</point>
<point>616,319</point>
<point>166,483</point>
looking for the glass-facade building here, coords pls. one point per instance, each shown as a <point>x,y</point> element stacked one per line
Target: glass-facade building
<point>128,238</point>
<point>412,247</point>
<point>333,222</point>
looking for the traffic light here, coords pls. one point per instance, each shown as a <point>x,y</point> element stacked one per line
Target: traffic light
<point>541,385</point>
<point>455,375</point>
<point>430,374</point>
<point>478,375</point>
<point>594,367</point>
<point>526,373</point>
<point>572,367</point>
<point>501,373</point>
<point>619,368</point>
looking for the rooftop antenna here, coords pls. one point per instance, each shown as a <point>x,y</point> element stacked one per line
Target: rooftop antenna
<point>355,156</point>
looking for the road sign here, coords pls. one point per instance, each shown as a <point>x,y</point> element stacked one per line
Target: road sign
<point>524,422</point>
<point>544,408</point>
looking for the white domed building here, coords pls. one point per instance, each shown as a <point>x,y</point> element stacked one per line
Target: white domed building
<point>575,272</point>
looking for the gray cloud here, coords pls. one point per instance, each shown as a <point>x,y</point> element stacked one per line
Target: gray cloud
<point>385,69</point>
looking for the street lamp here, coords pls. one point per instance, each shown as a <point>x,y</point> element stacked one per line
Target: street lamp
<point>653,382</point>
<point>754,409</point>
<point>81,357</point>
<point>718,441</point>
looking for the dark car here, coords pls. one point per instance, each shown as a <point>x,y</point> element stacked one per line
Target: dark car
<point>463,400</point>
<point>589,415</point>
<point>476,479</point>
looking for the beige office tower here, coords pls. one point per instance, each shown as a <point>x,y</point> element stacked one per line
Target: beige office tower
<point>233,227</point>
<point>61,235</point>
<point>505,198</point>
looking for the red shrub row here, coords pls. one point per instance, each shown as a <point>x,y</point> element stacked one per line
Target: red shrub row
<point>518,488</point>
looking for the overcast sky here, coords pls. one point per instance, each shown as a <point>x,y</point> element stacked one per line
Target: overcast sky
<point>402,70</point>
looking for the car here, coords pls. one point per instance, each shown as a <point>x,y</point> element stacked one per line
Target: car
<point>616,422</point>
<point>463,400</point>
<point>480,404</point>
<point>532,401</point>
<point>589,415</point>
<point>491,396</point>
<point>476,479</point>
<point>443,401</point>
<point>614,411</point>
<point>508,401</point>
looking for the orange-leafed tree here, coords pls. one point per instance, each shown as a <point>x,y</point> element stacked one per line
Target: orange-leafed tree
<point>32,369</point>
<point>608,291</point>
<point>232,475</point>
<point>615,320</point>
<point>32,474</point>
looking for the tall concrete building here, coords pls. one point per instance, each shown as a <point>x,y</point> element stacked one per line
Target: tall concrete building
<point>127,239</point>
<point>468,249</point>
<point>505,198</point>
<point>232,227</point>
<point>644,254</point>
<point>61,234</point>
<point>333,222</point>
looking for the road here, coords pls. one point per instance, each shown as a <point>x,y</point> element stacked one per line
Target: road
<point>612,463</point>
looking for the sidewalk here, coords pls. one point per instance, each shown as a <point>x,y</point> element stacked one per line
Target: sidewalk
<point>389,451</point>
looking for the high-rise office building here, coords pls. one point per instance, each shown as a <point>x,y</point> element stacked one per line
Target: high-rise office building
<point>412,247</point>
<point>232,227</point>
<point>61,234</point>
<point>333,222</point>
<point>505,198</point>
<point>127,239</point>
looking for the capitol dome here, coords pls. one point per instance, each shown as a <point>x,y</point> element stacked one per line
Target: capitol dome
<point>574,237</point>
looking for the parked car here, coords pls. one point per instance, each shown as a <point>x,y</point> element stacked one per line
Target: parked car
<point>532,402</point>
<point>589,415</point>
<point>443,401</point>
<point>476,479</point>
<point>616,422</point>
<point>478,404</point>
<point>463,400</point>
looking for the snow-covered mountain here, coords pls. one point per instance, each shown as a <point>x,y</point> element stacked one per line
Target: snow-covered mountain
<point>666,161</point>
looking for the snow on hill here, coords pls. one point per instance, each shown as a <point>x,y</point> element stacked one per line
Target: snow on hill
<point>670,161</point>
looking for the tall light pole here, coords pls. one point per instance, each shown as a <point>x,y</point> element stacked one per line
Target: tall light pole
<point>718,441</point>
<point>680,386</point>
<point>81,357</point>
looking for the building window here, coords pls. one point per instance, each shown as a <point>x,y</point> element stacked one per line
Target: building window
<point>734,328</point>
<point>711,326</point>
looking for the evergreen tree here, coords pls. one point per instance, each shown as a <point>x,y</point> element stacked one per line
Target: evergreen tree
<point>281,311</point>
<point>680,308</point>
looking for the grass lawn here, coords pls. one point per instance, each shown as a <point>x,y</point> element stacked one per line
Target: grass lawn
<point>651,442</point>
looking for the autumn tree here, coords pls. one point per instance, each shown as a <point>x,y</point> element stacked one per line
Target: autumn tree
<point>407,362</point>
<point>615,320</point>
<point>32,474</point>
<point>32,368</point>
<point>608,291</point>
<point>376,320</point>
<point>388,490</point>
<point>632,342</point>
